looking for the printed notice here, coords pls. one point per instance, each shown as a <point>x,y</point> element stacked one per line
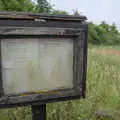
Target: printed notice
<point>31,65</point>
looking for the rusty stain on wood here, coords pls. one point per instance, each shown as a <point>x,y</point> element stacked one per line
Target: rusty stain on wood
<point>30,70</point>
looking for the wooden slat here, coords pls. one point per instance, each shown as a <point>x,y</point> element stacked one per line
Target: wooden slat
<point>33,16</point>
<point>37,31</point>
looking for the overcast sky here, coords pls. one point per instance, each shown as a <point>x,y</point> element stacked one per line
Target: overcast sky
<point>95,10</point>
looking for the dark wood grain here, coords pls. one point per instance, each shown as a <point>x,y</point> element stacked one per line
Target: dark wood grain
<point>38,31</point>
<point>1,82</point>
<point>39,112</point>
<point>27,23</point>
<point>33,16</point>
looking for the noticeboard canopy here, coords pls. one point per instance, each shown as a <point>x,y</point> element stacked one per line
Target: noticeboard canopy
<point>33,16</point>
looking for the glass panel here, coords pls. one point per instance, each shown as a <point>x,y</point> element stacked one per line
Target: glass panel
<point>37,64</point>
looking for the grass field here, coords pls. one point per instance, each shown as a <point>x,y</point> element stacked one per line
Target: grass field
<point>103,92</point>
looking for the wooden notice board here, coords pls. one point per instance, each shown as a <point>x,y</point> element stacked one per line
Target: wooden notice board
<point>43,58</point>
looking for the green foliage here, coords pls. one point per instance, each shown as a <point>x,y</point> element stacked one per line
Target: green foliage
<point>17,5</point>
<point>93,37</point>
<point>43,6</point>
<point>59,12</point>
<point>40,6</point>
<point>103,34</point>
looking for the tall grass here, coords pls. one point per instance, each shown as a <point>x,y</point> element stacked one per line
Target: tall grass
<point>102,96</point>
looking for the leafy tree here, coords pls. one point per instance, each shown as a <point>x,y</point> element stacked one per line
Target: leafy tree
<point>43,6</point>
<point>59,12</point>
<point>113,28</point>
<point>103,34</point>
<point>93,37</point>
<point>17,5</point>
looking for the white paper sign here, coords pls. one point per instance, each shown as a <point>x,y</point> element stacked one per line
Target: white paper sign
<point>31,65</point>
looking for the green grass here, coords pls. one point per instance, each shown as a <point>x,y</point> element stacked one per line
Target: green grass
<point>102,96</point>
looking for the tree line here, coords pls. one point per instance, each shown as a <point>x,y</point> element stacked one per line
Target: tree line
<point>38,6</point>
<point>102,34</point>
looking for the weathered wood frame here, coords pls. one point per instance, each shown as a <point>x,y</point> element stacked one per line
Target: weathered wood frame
<point>75,30</point>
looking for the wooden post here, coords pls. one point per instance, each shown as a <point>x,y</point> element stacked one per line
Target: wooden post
<point>39,112</point>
